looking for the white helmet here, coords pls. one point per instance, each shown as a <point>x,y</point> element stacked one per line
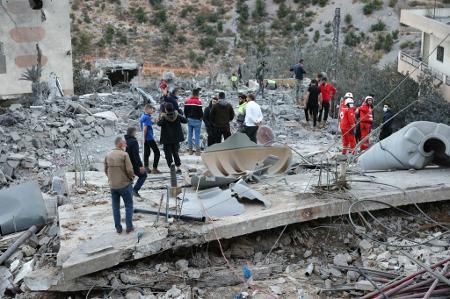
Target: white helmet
<point>348,95</point>
<point>349,101</point>
<point>368,98</point>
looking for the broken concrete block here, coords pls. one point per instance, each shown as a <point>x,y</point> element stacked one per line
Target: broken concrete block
<point>174,292</point>
<point>26,269</point>
<point>5,280</point>
<point>276,290</point>
<point>15,136</point>
<point>44,164</point>
<point>365,245</point>
<point>109,115</point>
<point>342,259</point>
<point>133,294</point>
<point>182,265</point>
<point>194,273</point>
<point>28,250</point>
<point>364,285</point>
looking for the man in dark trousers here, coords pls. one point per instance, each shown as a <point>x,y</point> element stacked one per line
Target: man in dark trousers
<point>313,101</point>
<point>220,117</point>
<point>119,170</point>
<point>133,152</point>
<point>171,134</point>
<point>149,140</point>
<point>208,125</point>
<point>299,71</point>
<point>327,91</point>
<point>388,118</point>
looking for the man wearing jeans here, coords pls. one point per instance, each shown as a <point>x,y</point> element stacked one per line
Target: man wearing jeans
<point>193,111</point>
<point>120,174</point>
<point>133,152</point>
<point>253,118</point>
<point>299,71</point>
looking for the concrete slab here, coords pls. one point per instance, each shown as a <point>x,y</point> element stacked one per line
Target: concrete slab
<point>89,242</point>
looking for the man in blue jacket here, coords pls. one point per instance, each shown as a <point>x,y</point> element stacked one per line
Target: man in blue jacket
<point>299,71</point>
<point>149,140</point>
<point>133,152</point>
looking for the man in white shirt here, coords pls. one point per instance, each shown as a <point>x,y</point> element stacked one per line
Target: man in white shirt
<point>253,118</point>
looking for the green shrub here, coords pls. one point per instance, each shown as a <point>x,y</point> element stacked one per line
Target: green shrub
<point>207,42</point>
<point>316,36</point>
<point>309,13</point>
<point>220,26</point>
<point>404,45</point>
<point>379,26</point>
<point>260,8</point>
<point>181,39</point>
<point>155,2</point>
<point>192,56</point>
<point>348,19</point>
<point>395,34</point>
<point>371,6</point>
<point>186,10</point>
<point>352,39</point>
<point>384,42</point>
<point>160,16</point>
<point>109,34</point>
<point>140,15</point>
<point>392,3</point>
<point>171,28</point>
<point>283,11</point>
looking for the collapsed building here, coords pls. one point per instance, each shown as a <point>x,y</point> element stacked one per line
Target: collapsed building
<point>34,33</point>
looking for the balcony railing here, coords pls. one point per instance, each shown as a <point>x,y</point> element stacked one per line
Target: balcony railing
<point>422,66</point>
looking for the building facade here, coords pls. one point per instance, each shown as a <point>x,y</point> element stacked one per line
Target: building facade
<point>29,26</point>
<point>435,46</point>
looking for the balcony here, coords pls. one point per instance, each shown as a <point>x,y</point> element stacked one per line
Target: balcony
<point>423,67</point>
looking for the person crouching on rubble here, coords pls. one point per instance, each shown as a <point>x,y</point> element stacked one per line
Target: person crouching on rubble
<point>133,152</point>
<point>171,134</point>
<point>365,121</point>
<point>119,171</point>
<point>253,117</point>
<point>208,125</point>
<point>347,124</point>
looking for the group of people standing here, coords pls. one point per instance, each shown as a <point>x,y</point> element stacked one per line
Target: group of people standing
<point>124,162</point>
<point>356,123</point>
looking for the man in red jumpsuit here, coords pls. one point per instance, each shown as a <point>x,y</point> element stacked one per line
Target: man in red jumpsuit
<point>365,121</point>
<point>347,124</point>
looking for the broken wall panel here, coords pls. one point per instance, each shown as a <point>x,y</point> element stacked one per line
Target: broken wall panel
<point>22,207</point>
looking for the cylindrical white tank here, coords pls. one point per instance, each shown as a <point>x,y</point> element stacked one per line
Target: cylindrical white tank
<point>414,146</point>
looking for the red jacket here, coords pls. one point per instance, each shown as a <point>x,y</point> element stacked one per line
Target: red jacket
<point>193,108</point>
<point>328,91</point>
<point>365,113</point>
<point>347,120</point>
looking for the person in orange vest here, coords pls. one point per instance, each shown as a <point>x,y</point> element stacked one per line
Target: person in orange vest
<point>365,121</point>
<point>347,124</point>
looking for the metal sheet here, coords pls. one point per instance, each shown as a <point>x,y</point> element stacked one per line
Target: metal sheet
<point>22,206</point>
<point>238,155</point>
<point>243,190</point>
<point>210,182</point>
<point>216,202</point>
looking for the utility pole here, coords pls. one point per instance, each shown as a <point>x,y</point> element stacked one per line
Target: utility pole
<point>335,56</point>
<point>336,28</point>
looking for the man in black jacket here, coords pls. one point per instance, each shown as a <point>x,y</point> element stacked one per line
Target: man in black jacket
<point>208,125</point>
<point>133,152</point>
<point>171,134</point>
<point>220,117</point>
<point>388,118</point>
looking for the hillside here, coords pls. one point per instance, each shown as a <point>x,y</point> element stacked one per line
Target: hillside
<point>203,34</point>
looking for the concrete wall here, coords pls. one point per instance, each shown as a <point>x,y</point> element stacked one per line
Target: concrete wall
<point>443,67</point>
<point>21,28</point>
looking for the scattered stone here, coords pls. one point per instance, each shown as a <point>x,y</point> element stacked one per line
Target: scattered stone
<point>182,265</point>
<point>276,290</point>
<point>173,292</point>
<point>44,164</point>
<point>133,294</point>
<point>307,254</point>
<point>352,275</point>
<point>194,273</point>
<point>364,285</point>
<point>28,250</point>
<point>365,245</point>
<point>342,259</point>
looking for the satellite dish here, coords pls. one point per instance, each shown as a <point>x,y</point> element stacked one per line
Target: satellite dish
<point>265,135</point>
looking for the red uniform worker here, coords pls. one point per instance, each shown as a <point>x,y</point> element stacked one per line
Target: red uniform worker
<point>347,124</point>
<point>365,121</point>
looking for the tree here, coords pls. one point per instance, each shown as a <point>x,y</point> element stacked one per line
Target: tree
<point>260,8</point>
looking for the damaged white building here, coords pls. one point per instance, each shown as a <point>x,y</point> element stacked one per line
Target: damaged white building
<point>29,26</point>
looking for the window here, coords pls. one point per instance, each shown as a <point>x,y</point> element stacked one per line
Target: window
<point>2,59</point>
<point>36,4</point>
<point>440,54</point>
